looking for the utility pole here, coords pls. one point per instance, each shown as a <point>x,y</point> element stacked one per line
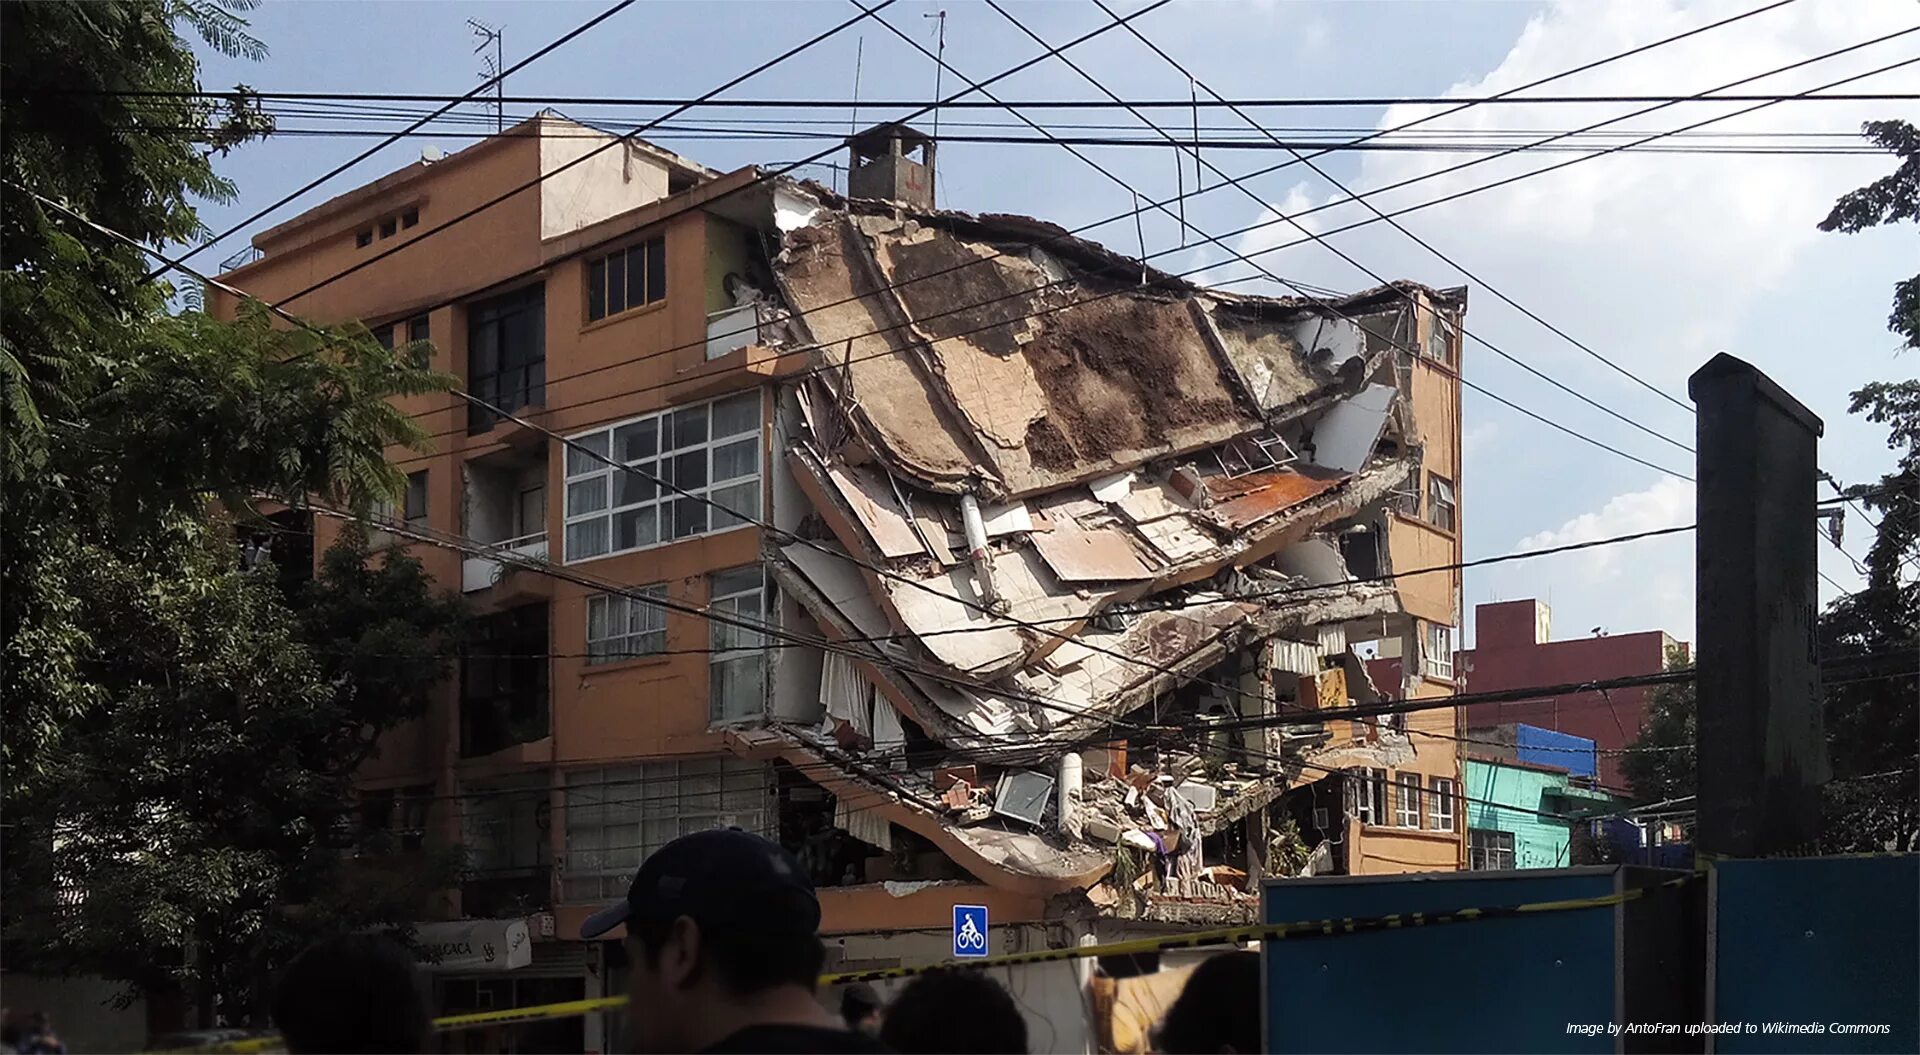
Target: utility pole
<point>489,34</point>
<point>1761,749</point>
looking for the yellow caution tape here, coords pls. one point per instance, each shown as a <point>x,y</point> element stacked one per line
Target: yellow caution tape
<point>1189,940</point>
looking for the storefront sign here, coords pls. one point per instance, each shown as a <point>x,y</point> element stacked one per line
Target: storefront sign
<point>470,945</point>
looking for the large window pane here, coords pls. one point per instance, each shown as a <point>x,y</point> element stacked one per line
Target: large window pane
<point>737,415</point>
<point>578,461</point>
<point>636,441</point>
<point>586,539</point>
<point>635,486</point>
<point>634,528</point>
<point>597,289</point>
<point>616,266</point>
<point>735,504</point>
<point>587,496</point>
<point>656,269</point>
<point>637,276</point>
<point>737,459</point>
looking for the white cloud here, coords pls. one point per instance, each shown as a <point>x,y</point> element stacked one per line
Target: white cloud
<point>1629,586</point>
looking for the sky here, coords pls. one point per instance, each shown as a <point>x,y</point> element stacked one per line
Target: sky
<point>1656,261</point>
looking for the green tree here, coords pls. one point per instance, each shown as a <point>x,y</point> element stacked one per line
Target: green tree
<point>1661,765</point>
<point>180,734</point>
<point>1893,198</point>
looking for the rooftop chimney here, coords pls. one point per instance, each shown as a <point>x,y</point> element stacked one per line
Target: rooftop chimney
<point>892,162</point>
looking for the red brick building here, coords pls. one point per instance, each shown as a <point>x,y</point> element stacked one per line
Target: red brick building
<point>1513,649</point>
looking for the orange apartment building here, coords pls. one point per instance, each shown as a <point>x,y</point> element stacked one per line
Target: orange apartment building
<point>943,477</point>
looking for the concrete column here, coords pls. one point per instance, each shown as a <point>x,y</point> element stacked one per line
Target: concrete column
<point>1762,752</point>
<point>1068,787</point>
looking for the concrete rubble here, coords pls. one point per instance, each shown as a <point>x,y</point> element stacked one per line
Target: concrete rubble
<point>1109,510</point>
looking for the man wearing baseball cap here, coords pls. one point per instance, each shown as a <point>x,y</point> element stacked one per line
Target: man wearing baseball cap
<point>722,937</point>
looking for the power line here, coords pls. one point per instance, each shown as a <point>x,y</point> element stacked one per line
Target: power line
<point>758,179</point>
<point>1182,104</point>
<point>1241,231</point>
<point>1230,250</point>
<point>1414,302</point>
<point>725,135</point>
<point>1410,124</point>
<point>1423,243</point>
<point>494,82</point>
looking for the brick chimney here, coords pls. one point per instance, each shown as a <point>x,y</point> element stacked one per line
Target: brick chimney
<point>892,162</point>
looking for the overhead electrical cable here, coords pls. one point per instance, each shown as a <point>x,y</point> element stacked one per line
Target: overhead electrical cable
<point>397,136</point>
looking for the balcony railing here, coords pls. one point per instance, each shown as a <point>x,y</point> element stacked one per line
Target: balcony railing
<point>478,573</point>
<point>733,329</point>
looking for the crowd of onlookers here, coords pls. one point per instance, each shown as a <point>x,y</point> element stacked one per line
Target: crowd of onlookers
<point>722,937</point>
<point>30,1034</point>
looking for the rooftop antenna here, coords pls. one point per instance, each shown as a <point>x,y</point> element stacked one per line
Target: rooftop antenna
<point>853,122</point>
<point>939,65</point>
<point>491,35</point>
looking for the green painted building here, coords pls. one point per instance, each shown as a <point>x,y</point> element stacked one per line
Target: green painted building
<point>1517,813</point>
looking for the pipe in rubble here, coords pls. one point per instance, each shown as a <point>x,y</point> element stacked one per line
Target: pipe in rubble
<point>976,530</point>
<point>1069,788</point>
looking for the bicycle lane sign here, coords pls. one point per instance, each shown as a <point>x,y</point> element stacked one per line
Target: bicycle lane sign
<point>969,931</point>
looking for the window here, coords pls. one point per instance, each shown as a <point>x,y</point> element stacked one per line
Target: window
<point>616,817</point>
<point>417,328</point>
<point>1406,812</point>
<point>385,336</point>
<point>709,450</point>
<point>530,513</point>
<point>1436,651</point>
<point>410,218</point>
<point>620,627</point>
<point>1440,339</point>
<point>363,239</point>
<point>1369,787</point>
<point>1440,805</point>
<point>1443,511</point>
<point>738,659</point>
<point>416,510</point>
<point>388,226</point>
<point>1489,851</point>
<point>507,354</point>
<point>503,681</point>
<point>627,278</point>
<point>399,812</point>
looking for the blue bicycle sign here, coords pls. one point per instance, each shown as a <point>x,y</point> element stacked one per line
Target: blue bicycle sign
<point>969,931</point>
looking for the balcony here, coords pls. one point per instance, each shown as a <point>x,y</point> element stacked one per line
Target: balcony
<point>505,507</point>
<point>478,573</point>
<point>735,328</point>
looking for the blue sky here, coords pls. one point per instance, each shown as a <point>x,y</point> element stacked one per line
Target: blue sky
<point>1657,261</point>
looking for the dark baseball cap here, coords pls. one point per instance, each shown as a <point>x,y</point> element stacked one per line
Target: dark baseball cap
<point>725,877</point>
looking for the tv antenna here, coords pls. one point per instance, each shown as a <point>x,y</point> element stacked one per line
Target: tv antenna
<point>493,63</point>
<point>939,66</point>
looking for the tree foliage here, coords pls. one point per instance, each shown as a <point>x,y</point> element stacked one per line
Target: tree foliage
<point>1662,765</point>
<point>180,734</point>
<point>1893,198</point>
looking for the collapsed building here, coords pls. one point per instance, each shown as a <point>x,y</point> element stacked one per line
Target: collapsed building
<point>1090,544</point>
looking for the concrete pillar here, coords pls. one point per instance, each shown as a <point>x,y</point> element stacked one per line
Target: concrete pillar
<point>1762,752</point>
<point>1068,787</point>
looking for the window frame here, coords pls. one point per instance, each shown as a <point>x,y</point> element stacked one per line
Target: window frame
<point>636,809</point>
<point>1406,800</point>
<point>1486,847</point>
<point>616,648</point>
<point>1370,798</point>
<point>732,647</point>
<point>1432,662</point>
<point>600,486</point>
<point>1436,503</point>
<point>1442,794</point>
<point>415,514</point>
<point>1442,328</point>
<point>598,278</point>
<point>493,314</point>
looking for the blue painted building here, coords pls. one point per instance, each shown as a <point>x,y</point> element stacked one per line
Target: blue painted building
<point>1525,786</point>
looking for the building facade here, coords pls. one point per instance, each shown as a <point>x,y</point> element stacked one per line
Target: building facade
<point>1513,648</point>
<point>942,548</point>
